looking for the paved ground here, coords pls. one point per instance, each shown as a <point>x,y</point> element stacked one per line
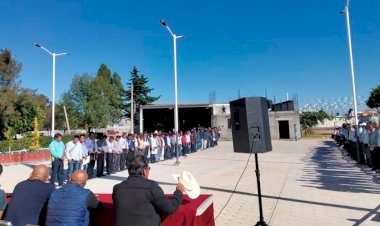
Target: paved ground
<point>305,182</point>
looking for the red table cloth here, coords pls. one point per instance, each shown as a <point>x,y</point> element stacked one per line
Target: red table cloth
<point>197,212</point>
<point>192,212</point>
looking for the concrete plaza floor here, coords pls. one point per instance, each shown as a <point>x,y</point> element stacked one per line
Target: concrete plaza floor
<point>307,182</point>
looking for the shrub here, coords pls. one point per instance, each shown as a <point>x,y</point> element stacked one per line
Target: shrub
<point>26,142</point>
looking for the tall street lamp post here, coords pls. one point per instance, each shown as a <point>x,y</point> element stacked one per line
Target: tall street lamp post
<point>347,13</point>
<point>54,55</point>
<point>175,37</point>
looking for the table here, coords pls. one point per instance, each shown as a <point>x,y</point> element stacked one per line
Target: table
<point>192,212</point>
<point>197,212</point>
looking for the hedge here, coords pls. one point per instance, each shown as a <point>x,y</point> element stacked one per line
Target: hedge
<point>25,142</point>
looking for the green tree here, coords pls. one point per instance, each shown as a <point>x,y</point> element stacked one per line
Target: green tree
<point>9,69</point>
<point>18,106</point>
<point>26,108</point>
<point>9,84</point>
<point>140,92</point>
<point>312,118</point>
<point>92,102</point>
<point>86,104</point>
<point>9,133</point>
<point>374,98</point>
<point>112,90</point>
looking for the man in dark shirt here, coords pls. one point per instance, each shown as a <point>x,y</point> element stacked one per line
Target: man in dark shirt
<point>138,201</point>
<point>29,199</point>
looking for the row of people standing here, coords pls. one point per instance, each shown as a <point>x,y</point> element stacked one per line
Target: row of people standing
<point>136,201</point>
<point>362,142</point>
<point>107,153</point>
<point>113,154</point>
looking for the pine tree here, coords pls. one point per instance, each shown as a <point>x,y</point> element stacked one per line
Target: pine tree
<point>36,136</point>
<point>112,89</point>
<point>140,91</point>
<point>9,133</point>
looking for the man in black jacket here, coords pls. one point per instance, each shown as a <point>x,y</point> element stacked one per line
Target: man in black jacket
<point>138,201</point>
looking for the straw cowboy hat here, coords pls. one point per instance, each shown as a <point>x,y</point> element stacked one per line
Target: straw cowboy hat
<point>192,188</point>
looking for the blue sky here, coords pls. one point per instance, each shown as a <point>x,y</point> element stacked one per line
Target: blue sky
<point>294,46</point>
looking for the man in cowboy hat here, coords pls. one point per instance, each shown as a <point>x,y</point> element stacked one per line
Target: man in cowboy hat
<point>138,200</point>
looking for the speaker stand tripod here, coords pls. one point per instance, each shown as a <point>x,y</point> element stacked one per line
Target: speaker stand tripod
<point>261,222</point>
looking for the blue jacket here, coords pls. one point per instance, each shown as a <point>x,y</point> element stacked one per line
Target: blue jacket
<point>68,206</point>
<point>131,145</point>
<point>199,138</point>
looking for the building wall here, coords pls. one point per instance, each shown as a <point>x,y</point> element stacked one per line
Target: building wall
<point>222,120</point>
<point>291,116</point>
<point>220,116</point>
<point>220,109</point>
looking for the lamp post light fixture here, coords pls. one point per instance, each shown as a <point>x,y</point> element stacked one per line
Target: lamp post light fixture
<point>54,55</point>
<point>175,37</point>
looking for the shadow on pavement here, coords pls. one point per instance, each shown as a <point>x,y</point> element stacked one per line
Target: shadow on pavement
<point>376,218</point>
<point>253,194</point>
<point>327,171</point>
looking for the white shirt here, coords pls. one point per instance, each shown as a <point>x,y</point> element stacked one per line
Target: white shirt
<point>124,144</point>
<point>136,143</point>
<point>161,142</point>
<point>187,138</point>
<point>168,141</point>
<point>117,147</point>
<point>74,151</point>
<point>110,147</point>
<point>153,142</point>
<point>147,141</point>
<point>179,141</point>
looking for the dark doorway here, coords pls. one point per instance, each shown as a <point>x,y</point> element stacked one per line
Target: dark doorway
<point>162,119</point>
<point>284,129</point>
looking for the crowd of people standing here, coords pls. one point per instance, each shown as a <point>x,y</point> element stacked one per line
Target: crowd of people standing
<point>112,154</point>
<point>136,200</point>
<point>361,143</point>
<point>36,201</point>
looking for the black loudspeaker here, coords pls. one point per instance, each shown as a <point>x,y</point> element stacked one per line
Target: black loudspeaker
<point>250,125</point>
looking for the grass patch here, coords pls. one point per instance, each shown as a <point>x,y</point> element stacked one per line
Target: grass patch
<point>319,133</point>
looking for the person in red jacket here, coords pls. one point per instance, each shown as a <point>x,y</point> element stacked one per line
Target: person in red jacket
<point>183,140</point>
